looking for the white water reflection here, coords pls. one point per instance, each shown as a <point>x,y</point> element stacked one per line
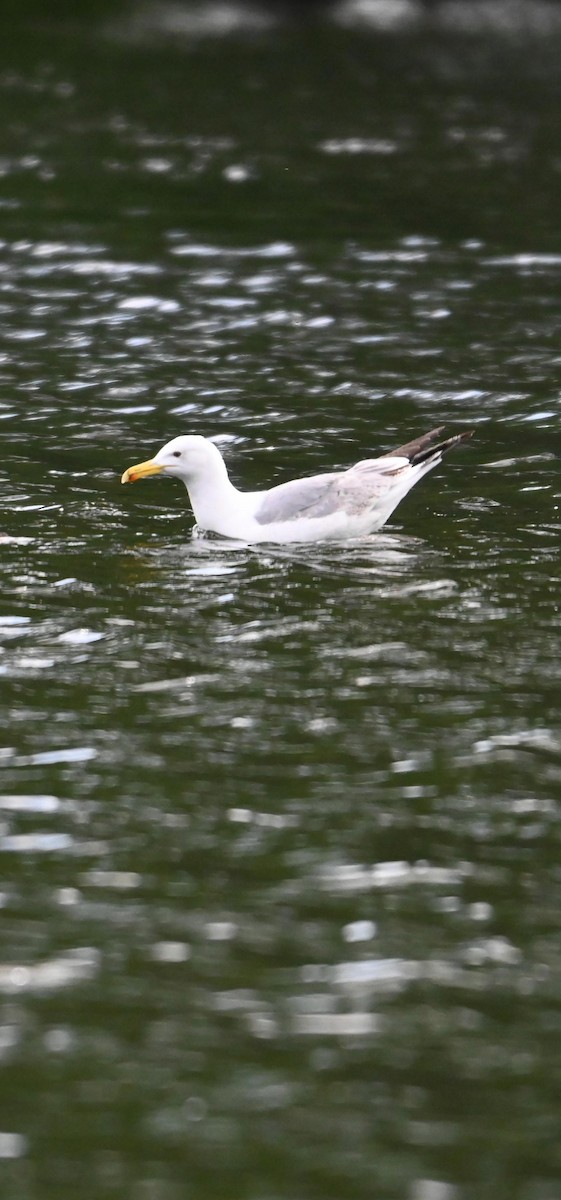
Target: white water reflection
<point>30,804</point>
<point>355,878</point>
<point>66,970</point>
<point>336,1025</point>
<point>39,843</point>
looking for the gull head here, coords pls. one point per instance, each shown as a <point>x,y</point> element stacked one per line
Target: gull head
<point>188,458</point>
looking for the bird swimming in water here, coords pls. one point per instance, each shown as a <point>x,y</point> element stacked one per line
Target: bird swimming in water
<point>335,506</point>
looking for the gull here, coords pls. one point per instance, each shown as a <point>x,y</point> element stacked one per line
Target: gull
<point>337,506</point>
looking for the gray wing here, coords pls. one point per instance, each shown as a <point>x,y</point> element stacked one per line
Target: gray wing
<point>315,497</point>
<point>349,491</point>
<point>363,485</point>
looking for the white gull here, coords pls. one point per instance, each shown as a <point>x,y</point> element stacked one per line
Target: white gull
<point>339,505</point>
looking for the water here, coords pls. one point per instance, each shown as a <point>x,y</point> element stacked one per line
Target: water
<point>279,826</point>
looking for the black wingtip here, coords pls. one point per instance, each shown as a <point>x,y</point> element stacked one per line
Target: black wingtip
<point>424,447</point>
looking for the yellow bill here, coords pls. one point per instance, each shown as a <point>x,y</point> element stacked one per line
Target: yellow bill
<point>141,471</point>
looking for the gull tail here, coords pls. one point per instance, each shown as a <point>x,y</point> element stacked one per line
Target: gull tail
<point>423,454</point>
<point>424,450</point>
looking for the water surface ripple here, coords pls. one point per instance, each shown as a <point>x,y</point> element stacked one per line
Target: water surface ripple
<point>279,826</point>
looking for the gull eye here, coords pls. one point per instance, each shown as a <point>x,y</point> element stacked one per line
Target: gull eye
<point>176,453</point>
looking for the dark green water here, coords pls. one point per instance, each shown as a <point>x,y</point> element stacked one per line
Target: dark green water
<point>280,827</point>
